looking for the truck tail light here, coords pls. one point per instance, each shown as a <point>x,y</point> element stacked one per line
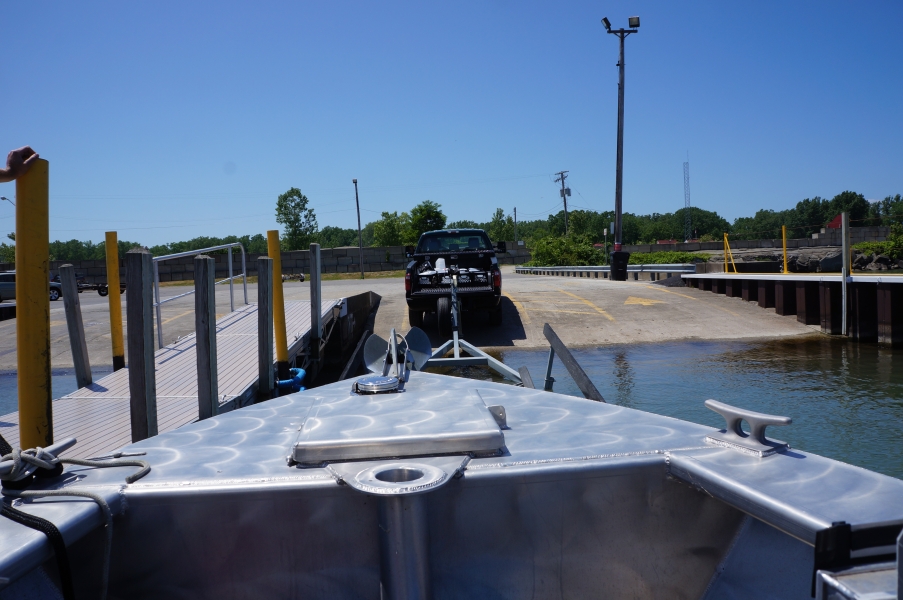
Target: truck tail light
<point>497,279</point>
<point>407,282</point>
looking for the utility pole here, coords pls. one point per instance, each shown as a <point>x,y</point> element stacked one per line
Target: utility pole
<point>360,238</point>
<point>515,226</point>
<point>619,259</point>
<point>688,222</point>
<point>565,192</point>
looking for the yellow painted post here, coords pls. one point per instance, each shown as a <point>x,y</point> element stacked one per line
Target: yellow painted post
<point>33,306</point>
<point>725,252</point>
<point>784,236</point>
<point>274,252</point>
<point>112,246</point>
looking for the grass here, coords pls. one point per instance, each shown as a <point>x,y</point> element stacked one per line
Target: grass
<point>324,277</point>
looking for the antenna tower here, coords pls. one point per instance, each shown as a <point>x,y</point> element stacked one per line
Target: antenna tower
<point>688,221</point>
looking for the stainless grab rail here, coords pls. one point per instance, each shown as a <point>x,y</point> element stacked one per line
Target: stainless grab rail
<point>652,268</point>
<point>159,259</point>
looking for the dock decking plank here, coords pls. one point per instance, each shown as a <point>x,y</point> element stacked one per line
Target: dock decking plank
<point>98,415</point>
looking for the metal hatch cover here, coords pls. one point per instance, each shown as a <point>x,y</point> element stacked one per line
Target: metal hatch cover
<point>364,427</point>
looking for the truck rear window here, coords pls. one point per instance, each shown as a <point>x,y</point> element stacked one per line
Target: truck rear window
<point>451,242</point>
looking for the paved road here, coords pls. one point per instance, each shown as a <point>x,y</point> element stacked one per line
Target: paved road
<point>584,312</point>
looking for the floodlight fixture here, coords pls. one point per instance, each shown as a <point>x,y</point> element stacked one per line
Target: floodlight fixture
<point>607,23</point>
<point>633,22</point>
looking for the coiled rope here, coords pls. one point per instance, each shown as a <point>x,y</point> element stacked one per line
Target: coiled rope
<point>52,465</point>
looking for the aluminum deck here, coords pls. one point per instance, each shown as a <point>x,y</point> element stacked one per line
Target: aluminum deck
<point>98,415</point>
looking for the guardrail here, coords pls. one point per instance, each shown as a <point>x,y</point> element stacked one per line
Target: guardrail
<point>593,272</point>
<point>159,259</point>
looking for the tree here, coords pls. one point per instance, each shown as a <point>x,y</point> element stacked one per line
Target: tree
<point>8,251</point>
<point>336,237</point>
<point>500,226</point>
<point>465,224</point>
<point>426,216</point>
<point>389,230</point>
<point>300,222</point>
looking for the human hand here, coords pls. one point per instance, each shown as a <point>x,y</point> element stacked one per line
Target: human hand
<point>18,162</point>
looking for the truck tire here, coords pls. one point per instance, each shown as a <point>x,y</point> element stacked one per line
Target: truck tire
<point>443,316</point>
<point>495,317</point>
<point>103,290</point>
<point>415,318</point>
<point>54,294</point>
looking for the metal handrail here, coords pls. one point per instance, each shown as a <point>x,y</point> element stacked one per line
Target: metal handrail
<point>657,268</point>
<point>159,259</point>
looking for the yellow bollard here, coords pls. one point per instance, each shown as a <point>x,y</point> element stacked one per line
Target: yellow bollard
<point>112,246</point>
<point>33,306</point>
<point>784,236</point>
<point>274,252</point>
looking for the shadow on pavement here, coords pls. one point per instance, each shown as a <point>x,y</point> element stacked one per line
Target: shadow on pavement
<point>478,331</point>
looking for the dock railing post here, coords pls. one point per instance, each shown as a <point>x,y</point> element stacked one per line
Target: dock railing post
<point>275,253</point>
<point>316,309</point>
<point>205,335</point>
<point>33,306</point>
<point>784,238</point>
<point>140,323</point>
<point>265,329</point>
<point>76,326</point>
<point>115,300</point>
<point>844,270</point>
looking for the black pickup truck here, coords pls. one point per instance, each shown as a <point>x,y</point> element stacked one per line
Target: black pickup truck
<point>441,255</point>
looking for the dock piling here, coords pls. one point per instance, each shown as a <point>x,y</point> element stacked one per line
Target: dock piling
<point>76,326</point>
<point>140,323</point>
<point>115,299</point>
<point>266,381</point>
<point>316,309</point>
<point>205,335</point>
<point>33,306</point>
<point>274,253</point>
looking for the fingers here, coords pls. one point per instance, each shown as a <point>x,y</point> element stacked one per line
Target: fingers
<point>30,159</point>
<point>19,161</point>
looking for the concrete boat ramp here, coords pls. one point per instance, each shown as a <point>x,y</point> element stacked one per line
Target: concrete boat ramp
<point>98,415</point>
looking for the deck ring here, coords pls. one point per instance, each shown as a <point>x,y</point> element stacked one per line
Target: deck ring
<point>399,478</point>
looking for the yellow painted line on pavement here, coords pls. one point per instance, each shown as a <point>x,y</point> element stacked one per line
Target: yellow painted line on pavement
<point>642,301</point>
<point>187,312</point>
<point>521,309</point>
<point>590,304</point>
<point>658,289</point>
<point>570,312</point>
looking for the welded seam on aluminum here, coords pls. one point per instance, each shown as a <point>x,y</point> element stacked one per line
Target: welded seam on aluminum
<point>545,461</point>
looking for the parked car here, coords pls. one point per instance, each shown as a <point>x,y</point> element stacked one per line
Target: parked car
<point>8,287</point>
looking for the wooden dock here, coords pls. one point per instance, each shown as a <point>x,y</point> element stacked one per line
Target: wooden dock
<point>98,416</point>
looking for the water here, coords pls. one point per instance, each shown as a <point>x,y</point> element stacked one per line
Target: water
<point>846,399</point>
<point>61,380</point>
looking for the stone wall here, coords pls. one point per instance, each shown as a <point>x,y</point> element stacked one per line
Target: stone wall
<point>332,260</point>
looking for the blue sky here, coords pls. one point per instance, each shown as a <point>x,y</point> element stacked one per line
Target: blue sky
<point>170,120</point>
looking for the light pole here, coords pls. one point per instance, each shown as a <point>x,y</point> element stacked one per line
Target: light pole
<point>618,258</point>
<point>8,200</point>
<point>360,239</point>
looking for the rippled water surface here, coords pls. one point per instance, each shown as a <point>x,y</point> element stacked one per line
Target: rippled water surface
<point>846,399</point>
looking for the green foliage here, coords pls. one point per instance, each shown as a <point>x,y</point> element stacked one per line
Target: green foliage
<point>886,212</point>
<point>426,216</point>
<point>74,250</point>
<point>336,237</point>
<point>253,244</point>
<point>892,247</point>
<point>666,258</point>
<point>465,224</point>
<point>390,229</point>
<point>8,251</point>
<point>557,251</point>
<point>807,217</point>
<point>300,222</point>
<point>500,227</point>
